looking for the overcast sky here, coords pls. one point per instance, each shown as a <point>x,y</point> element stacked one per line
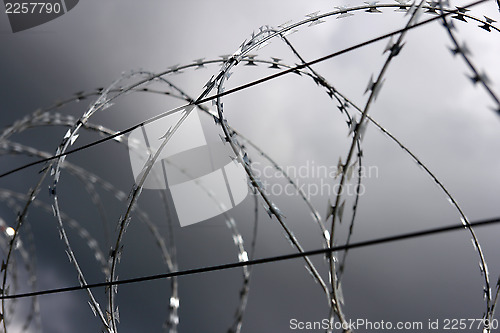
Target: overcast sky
<point>427,102</point>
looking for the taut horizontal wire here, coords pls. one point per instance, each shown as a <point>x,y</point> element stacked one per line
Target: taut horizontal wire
<point>193,271</point>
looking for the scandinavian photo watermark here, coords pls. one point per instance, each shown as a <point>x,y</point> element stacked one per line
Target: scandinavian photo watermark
<point>312,179</point>
<point>204,181</point>
<point>384,325</point>
<point>201,178</point>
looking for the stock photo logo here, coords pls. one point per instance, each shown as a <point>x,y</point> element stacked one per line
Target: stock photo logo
<point>25,15</point>
<point>203,180</point>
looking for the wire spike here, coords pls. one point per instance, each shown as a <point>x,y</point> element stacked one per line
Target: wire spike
<point>373,6</point>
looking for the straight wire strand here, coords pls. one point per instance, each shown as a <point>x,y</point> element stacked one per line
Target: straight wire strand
<point>242,87</point>
<point>254,262</point>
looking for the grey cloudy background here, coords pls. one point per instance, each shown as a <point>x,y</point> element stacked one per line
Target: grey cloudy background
<point>427,102</point>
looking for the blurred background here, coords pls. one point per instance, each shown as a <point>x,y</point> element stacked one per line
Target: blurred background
<point>427,102</point>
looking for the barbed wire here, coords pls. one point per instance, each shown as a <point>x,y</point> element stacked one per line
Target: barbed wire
<point>214,91</point>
